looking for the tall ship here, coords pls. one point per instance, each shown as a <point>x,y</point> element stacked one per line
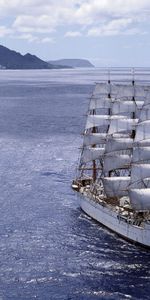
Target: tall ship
<point>113,178</point>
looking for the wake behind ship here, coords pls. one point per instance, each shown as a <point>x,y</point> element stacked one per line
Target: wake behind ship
<point>114,170</point>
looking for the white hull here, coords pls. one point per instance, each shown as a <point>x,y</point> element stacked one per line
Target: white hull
<point>111,219</point>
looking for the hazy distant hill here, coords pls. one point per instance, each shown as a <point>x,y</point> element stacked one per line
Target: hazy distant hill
<point>74,63</point>
<point>10,59</point>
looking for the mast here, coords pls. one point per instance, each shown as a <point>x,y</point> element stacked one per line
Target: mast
<point>109,134</point>
<point>94,162</point>
<point>139,189</point>
<point>133,99</point>
<point>118,150</point>
<point>94,130</point>
<point>95,134</point>
<point>109,111</point>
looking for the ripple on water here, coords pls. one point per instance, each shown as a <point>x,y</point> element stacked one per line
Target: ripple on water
<point>50,250</point>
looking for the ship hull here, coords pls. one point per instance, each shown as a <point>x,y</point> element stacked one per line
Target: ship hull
<point>112,220</point>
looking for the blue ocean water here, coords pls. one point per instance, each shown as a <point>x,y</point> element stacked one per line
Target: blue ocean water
<point>49,249</point>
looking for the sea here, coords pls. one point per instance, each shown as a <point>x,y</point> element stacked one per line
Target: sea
<point>49,248</point>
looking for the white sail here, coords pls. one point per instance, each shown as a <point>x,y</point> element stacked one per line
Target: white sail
<point>143,131</point>
<point>143,143</point>
<point>123,107</point>
<point>145,113</point>
<point>116,144</point>
<point>91,154</point>
<point>140,91</point>
<point>122,125</point>
<point>139,172</point>
<point>140,199</point>
<point>139,103</point>
<point>122,90</point>
<point>101,102</point>
<point>116,186</point>
<point>147,96</point>
<point>141,154</point>
<point>102,88</point>
<point>121,135</point>
<point>113,162</point>
<point>97,120</point>
<point>94,139</point>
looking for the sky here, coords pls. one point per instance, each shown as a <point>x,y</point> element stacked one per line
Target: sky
<point>106,32</point>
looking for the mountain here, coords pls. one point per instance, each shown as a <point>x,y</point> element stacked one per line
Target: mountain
<point>74,63</point>
<point>10,59</point>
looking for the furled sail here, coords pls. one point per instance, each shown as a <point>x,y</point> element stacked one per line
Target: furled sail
<point>113,162</point>
<point>94,139</point>
<point>90,154</point>
<point>140,199</point>
<point>116,186</point>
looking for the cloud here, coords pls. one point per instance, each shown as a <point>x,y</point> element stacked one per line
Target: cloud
<point>30,23</point>
<point>73,34</point>
<point>95,10</point>
<point>29,37</point>
<point>5,31</point>
<point>92,17</point>
<point>33,38</point>
<point>81,10</point>
<point>47,40</point>
<point>114,27</point>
